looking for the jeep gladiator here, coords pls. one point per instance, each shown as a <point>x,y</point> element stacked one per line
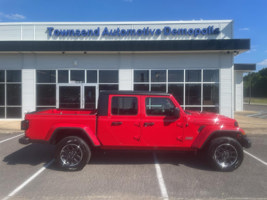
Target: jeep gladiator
<point>136,120</point>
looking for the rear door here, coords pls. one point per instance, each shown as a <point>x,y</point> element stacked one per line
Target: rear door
<point>122,126</point>
<point>160,128</point>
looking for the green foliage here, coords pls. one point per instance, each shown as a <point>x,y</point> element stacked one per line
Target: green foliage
<point>258,83</point>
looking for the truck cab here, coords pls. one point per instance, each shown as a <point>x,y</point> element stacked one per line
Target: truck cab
<point>140,120</point>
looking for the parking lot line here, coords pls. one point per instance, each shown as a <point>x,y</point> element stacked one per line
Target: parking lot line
<point>28,180</point>
<point>265,163</point>
<point>2,141</point>
<point>162,186</point>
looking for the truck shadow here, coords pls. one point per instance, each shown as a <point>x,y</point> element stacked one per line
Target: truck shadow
<point>188,159</point>
<point>35,154</point>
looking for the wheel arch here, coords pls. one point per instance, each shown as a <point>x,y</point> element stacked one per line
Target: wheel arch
<point>221,133</point>
<point>63,132</point>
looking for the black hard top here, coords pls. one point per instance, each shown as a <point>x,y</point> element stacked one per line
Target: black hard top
<point>125,92</point>
<point>104,95</point>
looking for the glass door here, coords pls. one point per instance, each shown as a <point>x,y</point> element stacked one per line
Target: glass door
<point>90,97</point>
<point>69,97</point>
<point>77,96</point>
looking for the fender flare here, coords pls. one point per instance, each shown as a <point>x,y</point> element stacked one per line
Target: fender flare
<point>205,136</point>
<point>86,132</point>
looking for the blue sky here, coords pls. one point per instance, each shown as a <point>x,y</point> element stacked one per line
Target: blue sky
<point>250,17</point>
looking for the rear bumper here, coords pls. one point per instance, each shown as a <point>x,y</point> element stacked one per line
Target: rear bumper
<point>245,141</point>
<point>24,140</point>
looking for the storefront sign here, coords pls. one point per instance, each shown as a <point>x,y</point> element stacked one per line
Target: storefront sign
<point>121,32</point>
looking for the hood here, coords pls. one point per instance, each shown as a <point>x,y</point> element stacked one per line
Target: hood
<point>207,118</point>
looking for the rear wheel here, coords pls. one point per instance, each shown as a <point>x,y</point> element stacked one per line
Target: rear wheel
<point>225,153</point>
<point>72,153</point>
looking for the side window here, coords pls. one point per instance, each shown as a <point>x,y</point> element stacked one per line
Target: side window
<point>159,106</point>
<point>124,106</point>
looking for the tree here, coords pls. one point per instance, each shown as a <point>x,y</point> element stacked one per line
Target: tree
<point>256,82</point>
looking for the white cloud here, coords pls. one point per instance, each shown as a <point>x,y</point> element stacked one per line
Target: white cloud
<point>15,16</point>
<point>263,63</point>
<point>251,50</point>
<point>244,29</point>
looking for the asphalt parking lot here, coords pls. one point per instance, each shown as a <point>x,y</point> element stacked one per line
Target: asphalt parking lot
<point>26,172</point>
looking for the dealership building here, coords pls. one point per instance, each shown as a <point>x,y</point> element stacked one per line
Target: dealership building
<point>66,65</point>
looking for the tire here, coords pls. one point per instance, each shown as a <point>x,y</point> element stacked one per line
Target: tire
<point>225,153</point>
<point>72,153</point>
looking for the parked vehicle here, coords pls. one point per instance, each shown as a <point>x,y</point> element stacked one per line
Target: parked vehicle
<point>136,120</point>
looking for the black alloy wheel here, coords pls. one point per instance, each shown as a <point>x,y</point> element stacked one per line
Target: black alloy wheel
<point>225,153</point>
<point>72,153</point>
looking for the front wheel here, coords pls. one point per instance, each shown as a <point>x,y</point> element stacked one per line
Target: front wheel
<point>72,153</point>
<point>225,153</point>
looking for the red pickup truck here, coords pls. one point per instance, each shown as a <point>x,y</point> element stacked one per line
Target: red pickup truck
<point>136,120</point>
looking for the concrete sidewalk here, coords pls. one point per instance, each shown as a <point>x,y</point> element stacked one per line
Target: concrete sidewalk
<point>10,126</point>
<point>251,125</point>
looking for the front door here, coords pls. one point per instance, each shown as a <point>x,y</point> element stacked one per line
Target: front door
<point>122,125</point>
<point>160,128</point>
<point>77,96</point>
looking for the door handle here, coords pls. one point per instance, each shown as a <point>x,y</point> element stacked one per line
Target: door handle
<point>146,124</point>
<point>116,123</point>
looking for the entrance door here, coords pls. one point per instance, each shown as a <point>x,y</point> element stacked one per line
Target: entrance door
<point>70,97</point>
<point>77,96</point>
<point>90,97</point>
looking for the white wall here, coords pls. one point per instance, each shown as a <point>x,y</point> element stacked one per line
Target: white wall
<point>238,91</point>
<point>116,61</point>
<point>125,79</point>
<point>226,86</point>
<point>28,91</point>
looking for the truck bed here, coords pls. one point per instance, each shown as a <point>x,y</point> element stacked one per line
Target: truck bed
<point>43,123</point>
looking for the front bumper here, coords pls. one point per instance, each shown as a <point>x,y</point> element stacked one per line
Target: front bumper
<point>24,140</point>
<point>245,141</point>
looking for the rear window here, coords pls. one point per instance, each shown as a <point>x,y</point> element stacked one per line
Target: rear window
<point>124,106</point>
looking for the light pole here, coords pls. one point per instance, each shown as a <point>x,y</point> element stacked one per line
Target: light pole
<point>250,80</point>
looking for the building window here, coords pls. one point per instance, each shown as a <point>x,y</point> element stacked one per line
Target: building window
<point>175,75</point>
<point>46,88</point>
<point>10,94</point>
<point>158,75</point>
<point>77,76</point>
<point>193,89</point>
<point>46,76</point>
<point>108,80</point>
<point>141,76</point>
<point>211,91</point>
<point>193,75</point>
<point>91,76</point>
<point>193,94</point>
<point>63,76</point>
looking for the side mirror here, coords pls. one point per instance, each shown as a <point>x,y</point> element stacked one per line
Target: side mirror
<point>176,112</point>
